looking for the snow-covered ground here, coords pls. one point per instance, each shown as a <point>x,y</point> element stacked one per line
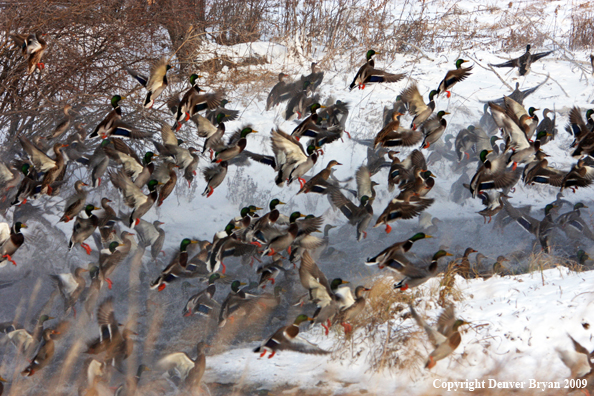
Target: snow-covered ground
<point>518,323</point>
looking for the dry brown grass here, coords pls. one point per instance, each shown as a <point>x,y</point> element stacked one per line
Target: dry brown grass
<point>385,342</point>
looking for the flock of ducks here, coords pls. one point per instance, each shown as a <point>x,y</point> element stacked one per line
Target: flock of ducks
<point>147,179</point>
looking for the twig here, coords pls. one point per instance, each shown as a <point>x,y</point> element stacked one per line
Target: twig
<point>424,55</point>
<point>548,76</point>
<point>493,70</point>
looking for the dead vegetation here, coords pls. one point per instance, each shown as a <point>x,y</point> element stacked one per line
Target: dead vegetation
<point>381,336</point>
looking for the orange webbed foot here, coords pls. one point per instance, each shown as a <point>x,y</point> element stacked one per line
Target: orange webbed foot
<point>86,247</point>
<point>9,258</point>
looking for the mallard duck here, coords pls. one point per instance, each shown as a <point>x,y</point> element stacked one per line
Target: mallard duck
<point>234,147</point>
<point>433,128</point>
<point>398,107</point>
<point>43,163</point>
<point>178,107</point>
<point>446,338</point>
<point>34,46</point>
<point>454,76</point>
<point>75,203</point>
<point>113,255</point>
<point>300,101</point>
<point>392,135</point>
<point>123,155</point>
<point>287,339</point>
<point>463,267</point>
<point>580,175</point>
<point>415,276</point>
<point>44,355</point>
<point>279,93</point>
<point>493,200</point>
<point>292,161</point>
<point>228,115</point>
<point>97,162</point>
<point>314,280</point>
<point>83,228</point>
<point>416,105</point>
<point>517,95</point>
<point>359,216</point>
<point>226,247</point>
<point>94,290</point>
<point>151,234</point>
<point>406,205</point>
<point>335,115</point>
<point>156,83</point>
<point>518,135</point>
<point>194,102</point>
<point>283,241</point>
<point>64,124</point>
<point>214,176</point>
<point>129,388</point>
<point>524,62</point>
<point>465,142</point>
<point>315,78</point>
<point>351,312</point>
<point>269,218</point>
<point>22,339</point>
<point>526,120</point>
<point>270,271</point>
<point>147,170</point>
<point>573,225</point>
<point>421,183</point>
<point>176,267</point>
<point>235,304</point>
<point>10,176</point>
<point>107,220</point>
<point>547,125</point>
<point>540,229</point>
<point>493,174</point>
<point>577,126</point>
<point>11,239</point>
<point>323,294</point>
<point>133,196</point>
<point>167,187</point>
<point>203,302</point>
<point>395,251</point>
<point>318,183</point>
<point>190,370</point>
<point>29,186</point>
<point>369,74</point>
<point>309,126</point>
<point>116,345</point>
<point>539,171</point>
<point>71,287</point>
<point>108,123</point>
<point>212,132</point>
